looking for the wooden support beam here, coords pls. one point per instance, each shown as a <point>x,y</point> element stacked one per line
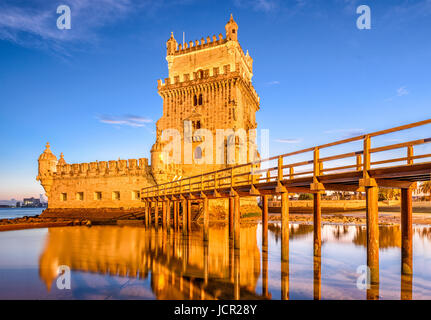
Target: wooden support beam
<point>395,183</point>
<point>317,218</point>
<point>406,232</point>
<point>230,217</point>
<point>237,269</point>
<point>265,273</point>
<point>164,213</point>
<point>189,215</point>
<point>265,223</point>
<point>168,214</point>
<point>236,223</point>
<point>156,214</point>
<point>284,226</point>
<point>317,277</point>
<point>146,213</point>
<point>175,214</point>
<point>373,233</point>
<point>206,219</point>
<point>185,215</point>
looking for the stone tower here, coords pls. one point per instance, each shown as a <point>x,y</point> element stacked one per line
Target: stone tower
<point>209,87</point>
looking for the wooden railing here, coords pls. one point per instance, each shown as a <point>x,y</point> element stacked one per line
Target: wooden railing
<point>281,168</point>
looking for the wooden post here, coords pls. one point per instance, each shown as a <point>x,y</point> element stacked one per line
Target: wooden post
<point>206,262</point>
<point>317,276</point>
<point>146,214</point>
<point>406,286</point>
<point>164,214</point>
<point>168,214</point>
<point>284,226</point>
<point>264,273</point>
<point>189,215</point>
<point>231,211</point>
<point>373,233</point>
<point>206,219</point>
<point>406,232</point>
<point>284,246</point>
<point>236,223</point>
<point>156,214</point>
<point>265,223</point>
<point>372,196</point>
<point>284,280</point>
<point>236,275</point>
<point>184,205</point>
<point>317,216</point>
<point>175,205</point>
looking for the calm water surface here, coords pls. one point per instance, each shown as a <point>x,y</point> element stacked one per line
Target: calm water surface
<point>111,262</point>
<point>11,213</point>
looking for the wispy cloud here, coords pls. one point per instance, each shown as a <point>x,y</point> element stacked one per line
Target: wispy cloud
<point>291,141</point>
<point>272,83</point>
<point>257,5</point>
<point>346,133</point>
<point>34,23</point>
<point>127,120</point>
<point>402,91</point>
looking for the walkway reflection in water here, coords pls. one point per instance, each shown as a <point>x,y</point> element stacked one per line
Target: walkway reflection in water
<point>134,262</point>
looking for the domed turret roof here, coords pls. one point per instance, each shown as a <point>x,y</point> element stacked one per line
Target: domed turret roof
<point>61,161</point>
<point>47,154</point>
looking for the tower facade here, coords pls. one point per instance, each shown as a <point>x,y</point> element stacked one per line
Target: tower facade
<point>209,87</point>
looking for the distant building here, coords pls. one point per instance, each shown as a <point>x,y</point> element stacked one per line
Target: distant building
<point>18,204</point>
<point>31,202</point>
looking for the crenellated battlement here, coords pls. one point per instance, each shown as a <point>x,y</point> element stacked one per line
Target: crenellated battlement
<point>196,45</point>
<point>103,168</point>
<point>207,76</point>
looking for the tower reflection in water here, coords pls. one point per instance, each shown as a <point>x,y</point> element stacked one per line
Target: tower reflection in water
<point>179,266</point>
<point>182,266</point>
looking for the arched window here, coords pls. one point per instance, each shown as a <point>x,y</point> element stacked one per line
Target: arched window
<point>200,99</point>
<point>195,100</point>
<point>198,153</point>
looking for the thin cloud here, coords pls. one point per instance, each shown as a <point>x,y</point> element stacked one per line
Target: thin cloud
<point>402,92</point>
<point>127,120</point>
<point>34,23</point>
<point>346,133</point>
<point>272,83</point>
<point>291,141</point>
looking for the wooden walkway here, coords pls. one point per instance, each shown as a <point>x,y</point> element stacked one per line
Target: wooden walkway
<point>306,171</point>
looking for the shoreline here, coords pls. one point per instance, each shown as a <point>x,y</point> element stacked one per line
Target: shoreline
<point>342,218</point>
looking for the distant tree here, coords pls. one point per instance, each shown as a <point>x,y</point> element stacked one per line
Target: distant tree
<point>389,194</point>
<point>305,196</point>
<point>426,188</point>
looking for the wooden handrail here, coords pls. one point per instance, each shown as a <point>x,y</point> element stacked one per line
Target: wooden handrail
<point>230,175</point>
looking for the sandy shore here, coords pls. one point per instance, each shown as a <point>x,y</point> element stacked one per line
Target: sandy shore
<point>37,222</point>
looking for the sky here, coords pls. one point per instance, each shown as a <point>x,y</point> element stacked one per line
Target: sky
<point>91,91</point>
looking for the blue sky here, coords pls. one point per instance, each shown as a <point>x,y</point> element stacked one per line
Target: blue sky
<point>92,91</point>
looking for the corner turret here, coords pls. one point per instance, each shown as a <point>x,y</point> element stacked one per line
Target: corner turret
<point>47,167</point>
<point>231,30</point>
<point>171,45</point>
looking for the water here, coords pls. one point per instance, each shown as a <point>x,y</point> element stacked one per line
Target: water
<point>111,262</point>
<point>11,213</point>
